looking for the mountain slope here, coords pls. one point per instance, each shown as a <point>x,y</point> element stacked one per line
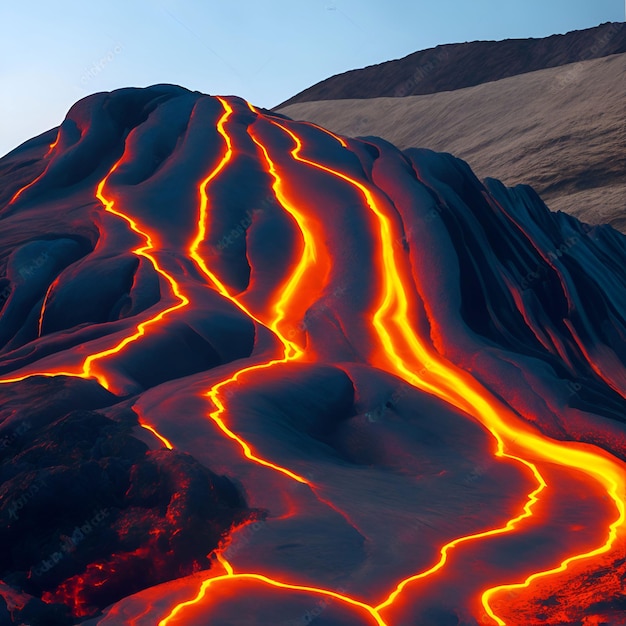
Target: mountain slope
<point>252,372</point>
<point>561,130</point>
<point>455,66</point>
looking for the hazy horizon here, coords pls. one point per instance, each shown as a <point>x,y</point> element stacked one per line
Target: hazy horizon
<point>56,55</point>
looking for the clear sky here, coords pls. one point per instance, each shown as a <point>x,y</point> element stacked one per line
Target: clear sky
<point>55,52</point>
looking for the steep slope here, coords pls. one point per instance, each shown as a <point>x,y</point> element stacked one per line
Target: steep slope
<point>252,372</point>
<point>455,66</point>
<point>560,130</point>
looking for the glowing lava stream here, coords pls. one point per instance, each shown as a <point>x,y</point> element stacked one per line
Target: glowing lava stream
<point>19,192</point>
<point>230,576</point>
<point>144,424</point>
<point>456,386</point>
<point>54,144</point>
<point>291,353</point>
<point>291,350</point>
<point>144,251</point>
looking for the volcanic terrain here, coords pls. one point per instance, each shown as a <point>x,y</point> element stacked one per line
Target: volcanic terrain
<point>253,372</point>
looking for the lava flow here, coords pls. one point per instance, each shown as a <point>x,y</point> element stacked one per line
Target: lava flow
<point>350,398</point>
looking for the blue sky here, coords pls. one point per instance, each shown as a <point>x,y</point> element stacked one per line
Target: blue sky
<point>55,53</point>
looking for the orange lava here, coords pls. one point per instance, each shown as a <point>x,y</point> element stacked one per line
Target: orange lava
<point>461,390</point>
<point>43,306</point>
<point>307,261</point>
<point>160,437</point>
<point>20,191</point>
<point>230,576</point>
<point>53,145</point>
<point>146,251</point>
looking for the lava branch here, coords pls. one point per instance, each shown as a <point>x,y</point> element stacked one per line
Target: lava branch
<point>231,576</point>
<point>312,261</point>
<point>20,191</point>
<point>606,547</point>
<point>43,305</point>
<point>144,424</point>
<point>309,259</point>
<point>291,352</point>
<point>53,145</point>
<point>605,470</point>
<point>145,251</point>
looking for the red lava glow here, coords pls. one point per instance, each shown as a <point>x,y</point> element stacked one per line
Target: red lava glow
<point>160,437</point>
<point>400,351</point>
<point>20,191</point>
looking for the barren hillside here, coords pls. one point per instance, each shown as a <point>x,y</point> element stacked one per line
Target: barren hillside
<point>561,130</point>
<point>459,65</point>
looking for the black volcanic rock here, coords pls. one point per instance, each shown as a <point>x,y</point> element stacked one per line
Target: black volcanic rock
<point>79,496</point>
<point>454,66</point>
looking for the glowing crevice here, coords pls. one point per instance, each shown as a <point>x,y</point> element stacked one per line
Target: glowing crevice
<point>88,370</point>
<point>231,576</point>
